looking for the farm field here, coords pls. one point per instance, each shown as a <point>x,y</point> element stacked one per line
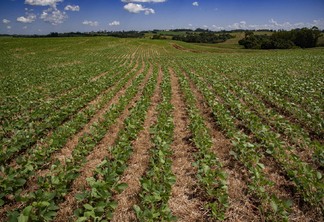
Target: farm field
<point>107,129</point>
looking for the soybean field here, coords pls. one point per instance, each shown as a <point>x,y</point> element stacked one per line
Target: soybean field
<point>108,129</point>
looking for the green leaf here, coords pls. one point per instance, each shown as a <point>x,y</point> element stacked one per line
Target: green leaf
<point>44,204</point>
<point>49,215</point>
<point>261,165</point>
<point>24,216</point>
<point>20,182</point>
<point>81,219</point>
<point>274,206</point>
<point>88,207</point>
<point>1,202</point>
<point>90,214</point>
<point>137,209</point>
<point>319,175</point>
<point>99,210</point>
<point>27,210</point>
<point>121,187</point>
<point>113,204</point>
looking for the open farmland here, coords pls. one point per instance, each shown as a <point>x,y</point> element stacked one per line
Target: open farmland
<point>106,129</point>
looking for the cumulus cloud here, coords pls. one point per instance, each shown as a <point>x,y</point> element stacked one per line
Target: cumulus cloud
<point>238,25</point>
<point>74,8</point>
<point>54,16</point>
<point>275,25</point>
<point>42,2</point>
<point>218,27</point>
<point>29,18</point>
<point>137,8</point>
<point>5,21</point>
<point>195,3</point>
<point>91,23</point>
<point>154,1</point>
<point>8,27</point>
<point>114,23</point>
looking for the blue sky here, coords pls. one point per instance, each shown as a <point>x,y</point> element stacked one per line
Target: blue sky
<point>45,16</point>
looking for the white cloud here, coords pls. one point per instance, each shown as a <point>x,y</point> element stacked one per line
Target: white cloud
<point>137,8</point>
<point>29,18</point>
<point>53,16</point>
<point>275,25</point>
<point>74,8</point>
<point>5,21</point>
<point>205,26</point>
<point>25,27</point>
<point>91,23</point>
<point>319,23</point>
<point>155,1</point>
<point>42,2</point>
<point>239,25</point>
<point>8,27</point>
<point>190,25</point>
<point>218,27</point>
<point>114,23</point>
<point>195,3</point>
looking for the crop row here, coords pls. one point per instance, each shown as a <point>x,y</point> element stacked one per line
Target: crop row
<point>46,85</point>
<point>271,206</point>
<point>210,173</point>
<point>42,204</point>
<point>98,201</point>
<point>294,133</point>
<point>158,179</point>
<point>14,178</point>
<point>48,117</point>
<point>307,180</point>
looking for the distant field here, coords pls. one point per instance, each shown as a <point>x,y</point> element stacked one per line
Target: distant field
<point>106,129</point>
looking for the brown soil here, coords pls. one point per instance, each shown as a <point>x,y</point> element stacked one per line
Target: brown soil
<point>184,201</point>
<point>184,49</point>
<point>96,156</point>
<point>137,164</point>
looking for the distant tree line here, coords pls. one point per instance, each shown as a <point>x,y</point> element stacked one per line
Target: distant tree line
<point>304,38</point>
<point>119,34</point>
<point>203,37</point>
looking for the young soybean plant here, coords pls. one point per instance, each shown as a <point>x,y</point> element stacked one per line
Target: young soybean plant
<point>158,180</point>
<point>210,173</point>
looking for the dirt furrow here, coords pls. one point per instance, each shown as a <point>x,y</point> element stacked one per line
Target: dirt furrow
<point>138,163</point>
<point>96,156</point>
<point>184,201</point>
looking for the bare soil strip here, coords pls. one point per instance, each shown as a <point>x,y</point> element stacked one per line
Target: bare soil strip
<point>96,156</point>
<point>240,206</point>
<point>184,202</point>
<point>138,163</point>
<point>99,76</point>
